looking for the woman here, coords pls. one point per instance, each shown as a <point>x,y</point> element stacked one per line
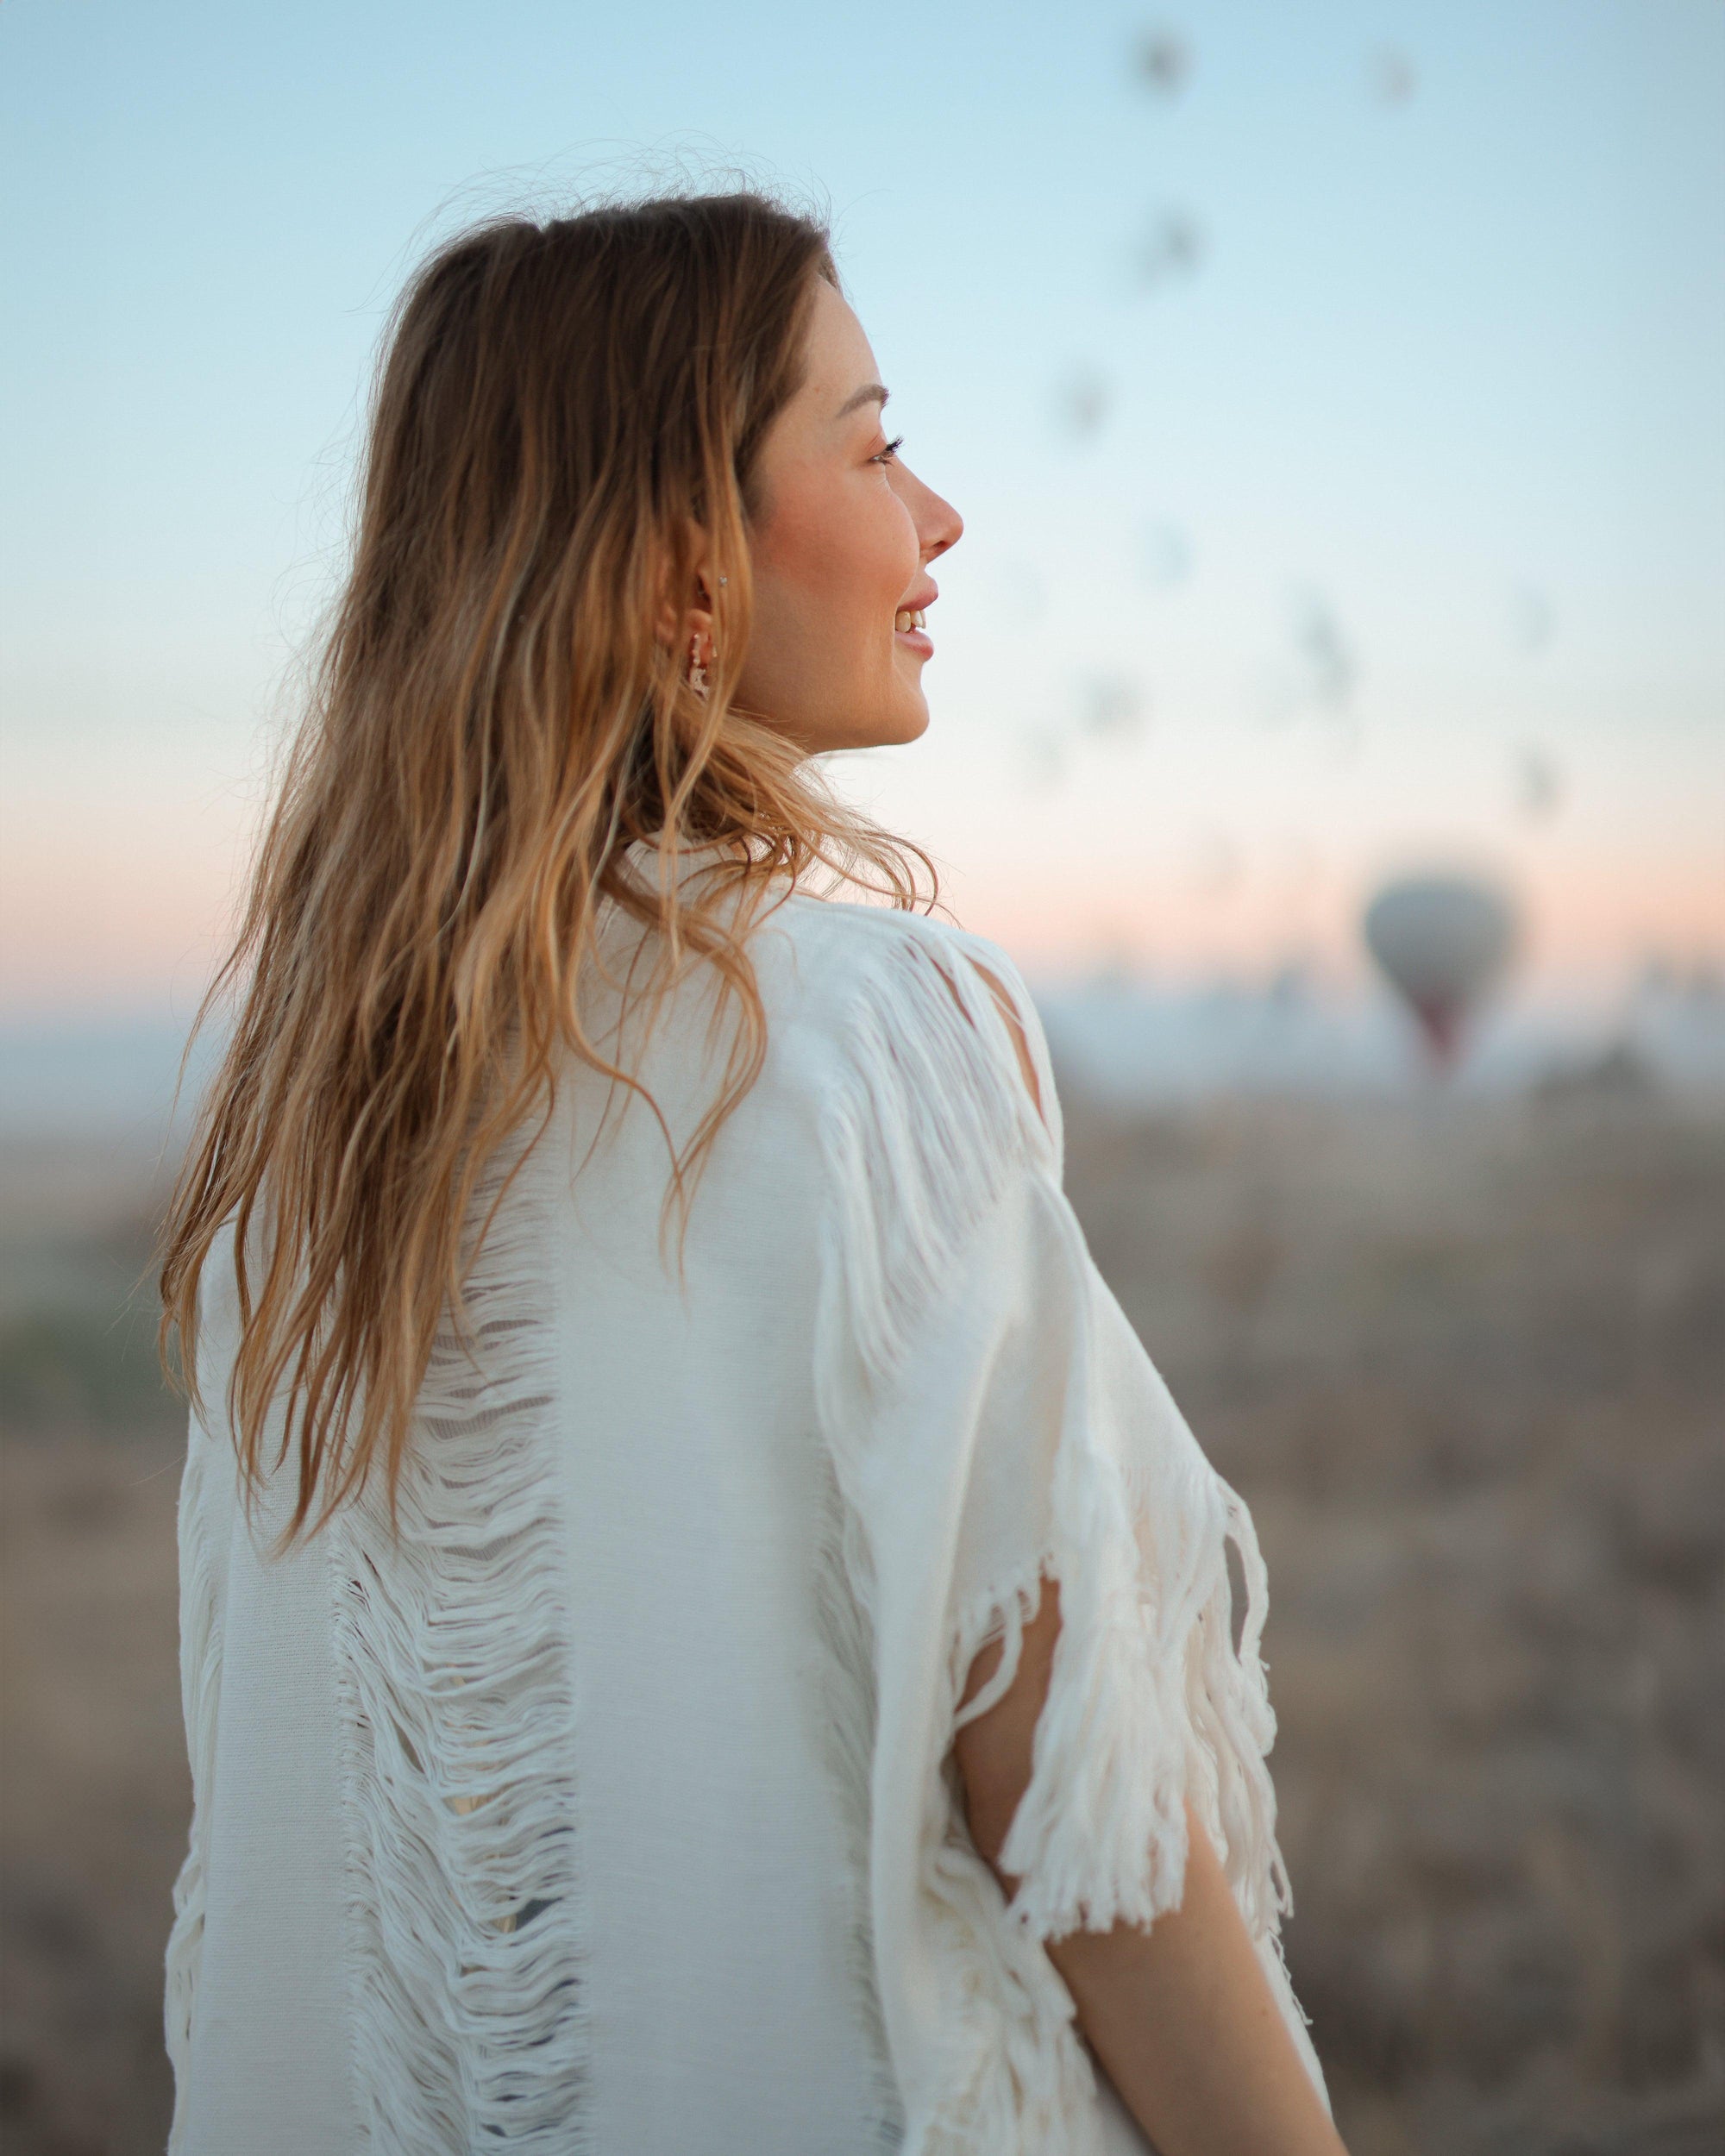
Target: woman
<point>702,1629</point>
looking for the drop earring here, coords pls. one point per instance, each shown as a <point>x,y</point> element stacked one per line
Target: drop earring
<point>697,674</point>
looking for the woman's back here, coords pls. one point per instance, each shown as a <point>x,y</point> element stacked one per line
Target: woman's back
<point>525,1827</point>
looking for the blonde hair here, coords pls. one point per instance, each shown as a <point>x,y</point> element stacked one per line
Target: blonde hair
<point>491,721</point>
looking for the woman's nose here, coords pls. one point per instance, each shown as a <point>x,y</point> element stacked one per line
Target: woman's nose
<point>942,527</point>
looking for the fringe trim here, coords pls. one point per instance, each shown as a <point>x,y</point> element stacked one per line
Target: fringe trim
<point>923,1137</point>
<point>925,1134</point>
<point>200,1679</point>
<point>1149,1701</point>
<point>459,1738</point>
<point>1149,1704</point>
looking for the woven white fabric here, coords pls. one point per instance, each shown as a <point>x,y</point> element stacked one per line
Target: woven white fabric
<point>609,1805</point>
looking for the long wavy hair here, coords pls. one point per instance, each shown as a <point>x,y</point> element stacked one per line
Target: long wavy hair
<point>561,409</point>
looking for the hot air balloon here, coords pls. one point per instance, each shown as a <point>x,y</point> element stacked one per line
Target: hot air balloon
<point>1442,940</point>
<point>1161,61</point>
<point>1081,402</point>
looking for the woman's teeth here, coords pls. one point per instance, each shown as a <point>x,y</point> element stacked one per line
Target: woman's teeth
<point>909,618</point>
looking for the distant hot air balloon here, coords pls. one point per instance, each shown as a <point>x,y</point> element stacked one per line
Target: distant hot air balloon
<point>1161,61</point>
<point>1539,785</point>
<point>1172,246</point>
<point>1391,75</point>
<point>1113,703</point>
<point>1081,402</point>
<point>1442,940</point>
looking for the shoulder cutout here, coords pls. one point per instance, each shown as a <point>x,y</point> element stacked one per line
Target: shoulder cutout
<point>934,1108</point>
<point>1009,1012</point>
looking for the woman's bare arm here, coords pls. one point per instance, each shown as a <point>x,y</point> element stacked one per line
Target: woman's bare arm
<point>1180,2013</point>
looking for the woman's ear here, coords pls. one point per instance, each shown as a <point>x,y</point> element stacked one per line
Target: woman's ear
<point>686,610</point>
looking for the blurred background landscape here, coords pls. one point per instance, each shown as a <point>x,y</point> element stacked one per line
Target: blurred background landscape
<point>1465,1358</point>
<point>1329,716</point>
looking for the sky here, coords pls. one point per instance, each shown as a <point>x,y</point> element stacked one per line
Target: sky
<point>1331,394</point>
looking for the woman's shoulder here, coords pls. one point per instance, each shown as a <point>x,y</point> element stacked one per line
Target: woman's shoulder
<point>920,1050</point>
<point>849,960</point>
<point>863,974</point>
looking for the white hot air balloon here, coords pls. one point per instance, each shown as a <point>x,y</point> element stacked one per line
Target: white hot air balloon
<point>1442,940</point>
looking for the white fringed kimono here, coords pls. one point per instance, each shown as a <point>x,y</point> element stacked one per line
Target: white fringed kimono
<point>610,1808</point>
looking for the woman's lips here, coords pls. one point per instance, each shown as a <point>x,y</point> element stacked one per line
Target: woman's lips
<point>916,640</point>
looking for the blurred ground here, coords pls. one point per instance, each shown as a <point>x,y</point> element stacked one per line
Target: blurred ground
<point>94,1792</point>
<point>1466,1361</point>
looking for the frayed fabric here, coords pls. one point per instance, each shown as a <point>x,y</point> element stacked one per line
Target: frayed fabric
<point>1148,1703</point>
<point>938,1159</point>
<point>931,1119</point>
<point>464,1888</point>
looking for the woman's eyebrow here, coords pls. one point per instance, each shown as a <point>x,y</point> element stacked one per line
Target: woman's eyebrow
<point>877,390</point>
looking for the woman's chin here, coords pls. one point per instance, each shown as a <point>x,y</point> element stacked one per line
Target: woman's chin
<point>905,728</point>
<point>905,722</point>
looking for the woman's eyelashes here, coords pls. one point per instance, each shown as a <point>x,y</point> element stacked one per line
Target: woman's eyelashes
<point>886,455</point>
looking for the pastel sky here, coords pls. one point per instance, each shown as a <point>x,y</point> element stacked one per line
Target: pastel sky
<point>1334,408</point>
